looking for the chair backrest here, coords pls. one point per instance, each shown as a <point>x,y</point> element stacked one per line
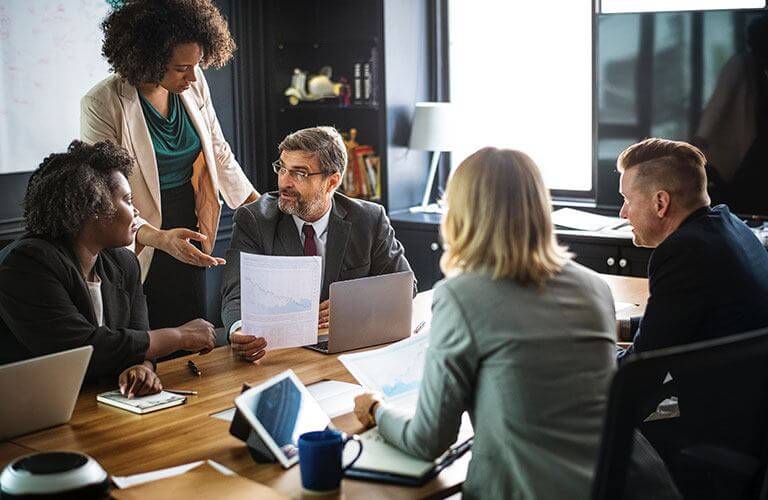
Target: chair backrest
<point>722,387</point>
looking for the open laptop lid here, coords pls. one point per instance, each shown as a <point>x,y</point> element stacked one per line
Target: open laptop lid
<point>41,392</point>
<point>370,311</point>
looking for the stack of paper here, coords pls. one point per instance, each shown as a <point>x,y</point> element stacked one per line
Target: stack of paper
<point>585,221</point>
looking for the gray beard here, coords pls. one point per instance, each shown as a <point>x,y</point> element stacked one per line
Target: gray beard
<point>303,210</point>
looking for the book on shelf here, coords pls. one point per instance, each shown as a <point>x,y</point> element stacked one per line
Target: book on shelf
<point>362,178</point>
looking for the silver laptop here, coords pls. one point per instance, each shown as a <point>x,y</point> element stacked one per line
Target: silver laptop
<point>368,311</point>
<point>41,392</point>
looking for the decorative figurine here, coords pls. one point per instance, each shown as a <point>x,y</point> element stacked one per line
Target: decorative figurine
<point>315,88</point>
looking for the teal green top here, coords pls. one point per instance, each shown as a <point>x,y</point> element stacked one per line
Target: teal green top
<point>175,140</point>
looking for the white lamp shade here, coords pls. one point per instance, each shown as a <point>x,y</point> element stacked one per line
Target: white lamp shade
<point>433,127</point>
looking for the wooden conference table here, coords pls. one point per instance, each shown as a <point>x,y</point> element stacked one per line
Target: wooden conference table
<point>124,443</point>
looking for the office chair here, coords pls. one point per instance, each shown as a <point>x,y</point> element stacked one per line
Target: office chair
<point>718,447</point>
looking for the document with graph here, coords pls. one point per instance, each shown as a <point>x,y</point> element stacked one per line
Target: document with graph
<point>395,371</point>
<point>280,298</point>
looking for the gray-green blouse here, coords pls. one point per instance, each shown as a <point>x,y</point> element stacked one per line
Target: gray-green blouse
<point>532,368</point>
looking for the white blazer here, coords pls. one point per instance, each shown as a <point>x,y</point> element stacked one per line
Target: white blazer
<point>111,110</point>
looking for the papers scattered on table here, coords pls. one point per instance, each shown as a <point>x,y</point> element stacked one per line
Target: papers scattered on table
<point>395,371</point>
<point>225,415</point>
<point>584,221</point>
<point>280,298</point>
<point>205,480</point>
<point>136,479</point>
<point>335,398</point>
<point>622,306</point>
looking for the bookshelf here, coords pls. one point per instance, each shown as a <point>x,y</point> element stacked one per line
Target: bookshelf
<point>386,37</point>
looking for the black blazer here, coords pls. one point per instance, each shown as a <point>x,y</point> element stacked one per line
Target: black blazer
<point>45,305</point>
<point>360,243</point>
<point>708,279</point>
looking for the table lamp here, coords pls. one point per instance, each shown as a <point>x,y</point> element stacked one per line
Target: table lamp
<point>432,130</point>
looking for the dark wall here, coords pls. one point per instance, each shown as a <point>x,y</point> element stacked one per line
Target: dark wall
<point>406,54</point>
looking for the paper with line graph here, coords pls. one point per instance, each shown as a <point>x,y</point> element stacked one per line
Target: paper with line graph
<point>395,371</point>
<point>280,298</point>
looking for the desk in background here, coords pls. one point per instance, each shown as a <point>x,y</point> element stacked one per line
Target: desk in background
<point>126,444</point>
<point>601,252</point>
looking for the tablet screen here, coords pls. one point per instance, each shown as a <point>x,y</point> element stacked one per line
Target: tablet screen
<point>285,412</point>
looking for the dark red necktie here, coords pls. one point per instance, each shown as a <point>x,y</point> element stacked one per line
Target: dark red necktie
<point>309,240</point>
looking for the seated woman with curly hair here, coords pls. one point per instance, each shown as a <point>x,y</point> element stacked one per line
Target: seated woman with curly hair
<point>158,106</point>
<point>69,282</point>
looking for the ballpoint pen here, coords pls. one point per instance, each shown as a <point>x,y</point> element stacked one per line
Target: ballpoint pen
<point>193,368</point>
<point>182,392</point>
<point>419,327</point>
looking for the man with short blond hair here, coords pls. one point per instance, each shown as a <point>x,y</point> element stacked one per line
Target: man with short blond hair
<point>708,274</point>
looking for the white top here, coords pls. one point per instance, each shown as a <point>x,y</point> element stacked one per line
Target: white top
<point>94,288</point>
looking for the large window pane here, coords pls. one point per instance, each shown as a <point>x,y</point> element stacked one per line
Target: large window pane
<point>521,77</point>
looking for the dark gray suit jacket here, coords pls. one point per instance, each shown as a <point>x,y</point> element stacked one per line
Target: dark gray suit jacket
<point>360,243</point>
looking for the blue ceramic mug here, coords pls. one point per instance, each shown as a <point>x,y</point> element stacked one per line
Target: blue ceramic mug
<point>320,456</point>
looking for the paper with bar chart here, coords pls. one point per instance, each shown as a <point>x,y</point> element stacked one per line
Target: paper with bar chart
<point>395,371</point>
<point>280,298</point>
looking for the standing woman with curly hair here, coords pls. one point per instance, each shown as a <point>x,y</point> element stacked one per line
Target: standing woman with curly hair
<point>158,106</point>
<point>68,282</point>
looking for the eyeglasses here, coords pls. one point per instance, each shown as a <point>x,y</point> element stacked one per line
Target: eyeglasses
<point>297,175</point>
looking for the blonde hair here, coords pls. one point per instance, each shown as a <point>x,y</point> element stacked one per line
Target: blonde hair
<point>499,219</point>
<point>674,166</point>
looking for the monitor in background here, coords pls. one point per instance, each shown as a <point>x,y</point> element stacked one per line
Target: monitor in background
<point>699,77</point>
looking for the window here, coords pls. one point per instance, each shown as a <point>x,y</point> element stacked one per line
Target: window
<point>521,77</point>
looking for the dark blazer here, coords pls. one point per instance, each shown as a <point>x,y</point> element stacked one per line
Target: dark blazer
<point>45,306</point>
<point>360,243</point>
<point>708,279</point>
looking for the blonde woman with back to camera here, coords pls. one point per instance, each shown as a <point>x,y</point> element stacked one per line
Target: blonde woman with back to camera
<point>522,338</point>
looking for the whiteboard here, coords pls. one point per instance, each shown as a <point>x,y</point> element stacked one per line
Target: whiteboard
<point>50,56</point>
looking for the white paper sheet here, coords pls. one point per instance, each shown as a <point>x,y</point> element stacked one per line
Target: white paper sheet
<point>395,371</point>
<point>584,221</point>
<point>226,415</point>
<point>621,306</point>
<point>137,479</point>
<point>280,298</point>
<point>335,398</point>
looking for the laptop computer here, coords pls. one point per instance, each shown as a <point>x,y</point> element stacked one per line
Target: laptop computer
<point>368,311</point>
<point>41,392</point>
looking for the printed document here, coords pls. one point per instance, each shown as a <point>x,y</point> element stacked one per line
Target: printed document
<point>395,371</point>
<point>280,298</point>
<point>585,221</point>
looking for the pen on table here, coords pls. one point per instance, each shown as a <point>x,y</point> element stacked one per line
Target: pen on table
<point>182,392</point>
<point>193,368</point>
<point>419,327</point>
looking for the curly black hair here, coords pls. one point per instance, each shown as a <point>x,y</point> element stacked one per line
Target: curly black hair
<point>139,37</point>
<point>70,188</point>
